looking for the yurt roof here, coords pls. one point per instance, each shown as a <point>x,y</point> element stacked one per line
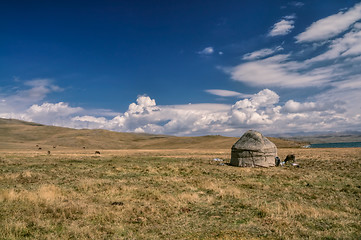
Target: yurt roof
<point>254,141</point>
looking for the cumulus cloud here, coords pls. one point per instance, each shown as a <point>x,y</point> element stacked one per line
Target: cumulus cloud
<point>283,27</point>
<point>46,113</point>
<point>176,119</point>
<point>265,97</point>
<point>51,113</point>
<point>260,111</point>
<point>60,108</point>
<point>331,26</point>
<point>207,51</point>
<point>256,111</point>
<point>261,53</point>
<point>145,115</point>
<point>292,106</point>
<point>144,105</point>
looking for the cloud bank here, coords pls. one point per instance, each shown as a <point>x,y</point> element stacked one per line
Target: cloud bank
<point>262,111</point>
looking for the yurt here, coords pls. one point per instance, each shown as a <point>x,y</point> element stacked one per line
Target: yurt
<point>253,150</point>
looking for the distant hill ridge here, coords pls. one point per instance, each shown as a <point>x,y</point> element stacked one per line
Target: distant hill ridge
<point>16,134</point>
<point>336,137</point>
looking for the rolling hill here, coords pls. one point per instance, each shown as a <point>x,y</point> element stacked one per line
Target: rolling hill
<point>16,134</point>
<point>354,136</point>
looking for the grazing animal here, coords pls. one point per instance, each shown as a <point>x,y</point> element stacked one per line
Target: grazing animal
<point>290,157</point>
<point>39,148</point>
<point>277,161</point>
<point>48,152</point>
<point>83,147</point>
<point>97,152</point>
<point>54,146</point>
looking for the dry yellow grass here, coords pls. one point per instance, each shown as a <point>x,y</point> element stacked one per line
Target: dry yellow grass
<point>177,194</point>
<point>162,187</point>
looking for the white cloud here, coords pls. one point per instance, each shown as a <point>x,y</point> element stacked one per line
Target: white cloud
<point>43,84</point>
<point>207,51</point>
<point>86,118</point>
<point>208,107</point>
<point>261,53</point>
<point>265,97</point>
<point>176,119</point>
<point>224,93</point>
<point>296,107</point>
<point>30,92</point>
<point>36,91</point>
<point>90,122</point>
<point>336,101</point>
<point>292,106</point>
<point>139,130</point>
<point>331,26</point>
<point>283,27</point>
<point>353,83</point>
<point>46,113</point>
<point>296,4</point>
<point>348,91</point>
<point>349,45</point>
<point>52,113</point>
<point>144,104</point>
<point>289,17</point>
<point>60,108</point>
<point>279,71</point>
<point>260,111</point>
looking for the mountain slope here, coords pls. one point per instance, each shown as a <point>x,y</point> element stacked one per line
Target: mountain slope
<point>16,134</point>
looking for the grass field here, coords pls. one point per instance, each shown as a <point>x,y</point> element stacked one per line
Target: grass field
<point>177,194</point>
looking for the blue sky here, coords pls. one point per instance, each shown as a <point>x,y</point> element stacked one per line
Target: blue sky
<point>183,67</point>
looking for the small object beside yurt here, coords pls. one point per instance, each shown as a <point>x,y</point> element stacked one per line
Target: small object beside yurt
<point>253,150</point>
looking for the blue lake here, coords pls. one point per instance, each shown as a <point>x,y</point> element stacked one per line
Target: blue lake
<point>336,145</point>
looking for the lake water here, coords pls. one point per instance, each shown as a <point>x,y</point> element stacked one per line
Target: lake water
<point>336,145</point>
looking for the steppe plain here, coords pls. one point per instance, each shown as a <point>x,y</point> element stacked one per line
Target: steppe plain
<point>161,187</point>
